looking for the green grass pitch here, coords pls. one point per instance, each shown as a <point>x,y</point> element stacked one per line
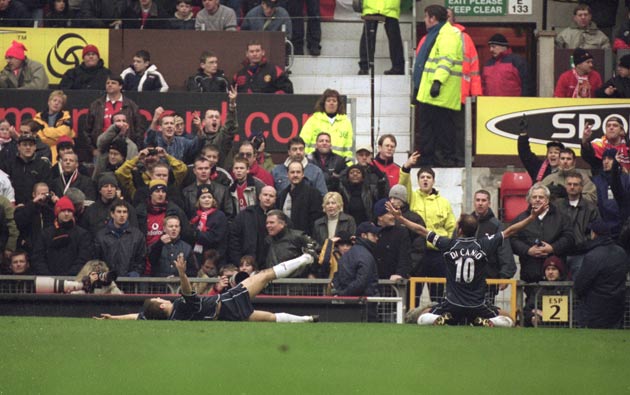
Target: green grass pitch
<point>83,356</point>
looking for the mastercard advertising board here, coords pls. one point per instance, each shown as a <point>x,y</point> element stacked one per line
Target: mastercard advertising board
<point>57,49</point>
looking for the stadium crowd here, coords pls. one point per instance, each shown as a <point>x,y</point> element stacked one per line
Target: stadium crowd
<point>152,193</point>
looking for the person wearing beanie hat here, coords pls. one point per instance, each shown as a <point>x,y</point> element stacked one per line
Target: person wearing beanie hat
<point>398,192</point>
<point>90,74</point>
<point>64,204</point>
<point>90,49</point>
<point>153,210</point>
<point>120,146</point>
<point>583,33</point>
<point>63,248</point>
<point>498,40</point>
<point>505,73</point>
<point>582,80</point>
<point>398,198</point>
<point>20,71</point>
<point>619,85</point>
<point>56,125</point>
<point>553,269</point>
<point>98,214</point>
<point>601,281</point>
<point>157,184</point>
<point>392,252</point>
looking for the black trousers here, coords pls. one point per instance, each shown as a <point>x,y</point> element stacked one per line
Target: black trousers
<point>392,28</point>
<point>436,135</point>
<point>432,266</point>
<point>295,8</point>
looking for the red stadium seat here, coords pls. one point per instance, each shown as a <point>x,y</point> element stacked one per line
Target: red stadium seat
<point>514,187</point>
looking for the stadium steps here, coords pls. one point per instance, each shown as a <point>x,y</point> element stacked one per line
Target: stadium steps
<point>337,68</point>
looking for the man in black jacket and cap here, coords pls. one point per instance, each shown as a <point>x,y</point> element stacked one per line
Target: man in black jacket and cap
<point>601,282</point>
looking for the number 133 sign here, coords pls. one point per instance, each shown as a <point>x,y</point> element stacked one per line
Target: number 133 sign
<point>520,7</point>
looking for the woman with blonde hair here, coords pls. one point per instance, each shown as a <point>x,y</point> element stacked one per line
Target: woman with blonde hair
<point>54,122</point>
<point>334,221</point>
<point>97,278</point>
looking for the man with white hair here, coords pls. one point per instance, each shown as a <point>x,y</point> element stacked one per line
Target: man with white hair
<point>549,234</point>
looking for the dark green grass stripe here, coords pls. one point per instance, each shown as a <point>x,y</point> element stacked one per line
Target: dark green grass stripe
<point>82,356</point>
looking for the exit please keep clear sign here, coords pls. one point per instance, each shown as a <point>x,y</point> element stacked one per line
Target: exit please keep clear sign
<point>490,7</point>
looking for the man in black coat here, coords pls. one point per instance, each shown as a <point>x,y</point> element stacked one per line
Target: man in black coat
<point>121,245</point>
<point>65,247</point>
<point>90,74</point>
<point>101,13</point>
<point>538,168</point>
<point>70,177</point>
<point>331,164</point>
<point>399,199</point>
<point>248,231</point>
<point>601,282</point>
<point>35,215</point>
<point>98,214</point>
<point>26,169</point>
<point>501,263</point>
<point>549,234</point>
<point>357,274</point>
<point>14,14</point>
<point>392,249</point>
<point>284,243</point>
<point>300,201</point>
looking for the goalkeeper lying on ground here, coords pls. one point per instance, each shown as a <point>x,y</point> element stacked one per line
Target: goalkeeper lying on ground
<point>233,305</point>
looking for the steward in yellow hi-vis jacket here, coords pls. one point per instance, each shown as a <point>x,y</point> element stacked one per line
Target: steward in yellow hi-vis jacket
<point>438,85</point>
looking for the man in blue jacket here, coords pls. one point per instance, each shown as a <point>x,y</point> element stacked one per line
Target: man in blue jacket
<point>357,275</point>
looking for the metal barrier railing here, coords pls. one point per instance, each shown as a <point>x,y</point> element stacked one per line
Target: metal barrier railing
<point>390,304</point>
<point>551,304</point>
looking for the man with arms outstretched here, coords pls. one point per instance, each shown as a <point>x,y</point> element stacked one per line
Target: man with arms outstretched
<point>232,305</point>
<point>465,258</point>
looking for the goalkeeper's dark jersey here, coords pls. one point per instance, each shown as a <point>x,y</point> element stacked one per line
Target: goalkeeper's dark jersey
<point>194,308</point>
<point>466,260</point>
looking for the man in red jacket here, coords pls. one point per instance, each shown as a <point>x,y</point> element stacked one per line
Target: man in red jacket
<point>506,73</point>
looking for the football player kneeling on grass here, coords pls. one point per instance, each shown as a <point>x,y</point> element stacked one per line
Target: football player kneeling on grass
<point>233,305</point>
<point>465,258</point>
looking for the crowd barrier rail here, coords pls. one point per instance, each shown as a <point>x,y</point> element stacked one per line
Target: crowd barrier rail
<point>282,293</point>
<point>560,308</point>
